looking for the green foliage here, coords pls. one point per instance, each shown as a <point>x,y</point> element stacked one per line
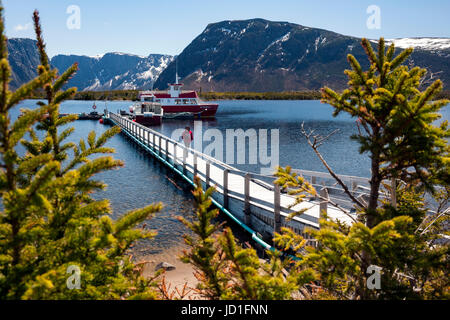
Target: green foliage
<point>49,221</point>
<point>396,119</point>
<point>226,270</point>
<point>396,127</point>
<point>296,186</point>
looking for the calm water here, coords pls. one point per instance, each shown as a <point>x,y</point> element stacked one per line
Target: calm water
<point>143,180</point>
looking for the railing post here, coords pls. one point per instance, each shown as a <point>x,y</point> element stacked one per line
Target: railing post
<point>394,193</point>
<point>207,179</point>
<point>247,198</point>
<point>195,164</point>
<point>154,142</point>
<point>174,154</point>
<point>225,188</point>
<point>277,208</point>
<point>159,146</point>
<point>323,207</point>
<point>313,180</point>
<point>167,150</point>
<point>185,151</point>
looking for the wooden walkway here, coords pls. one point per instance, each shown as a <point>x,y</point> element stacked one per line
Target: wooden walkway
<point>250,199</point>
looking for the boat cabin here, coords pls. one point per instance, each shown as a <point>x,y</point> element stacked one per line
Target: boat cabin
<point>147,107</point>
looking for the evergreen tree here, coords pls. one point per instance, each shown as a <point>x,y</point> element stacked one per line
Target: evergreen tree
<point>50,225</point>
<point>406,148</point>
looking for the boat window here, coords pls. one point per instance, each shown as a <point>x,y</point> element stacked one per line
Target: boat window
<point>185,101</point>
<point>177,101</point>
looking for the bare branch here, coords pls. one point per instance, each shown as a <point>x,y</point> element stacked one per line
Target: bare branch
<point>314,146</point>
<point>434,220</point>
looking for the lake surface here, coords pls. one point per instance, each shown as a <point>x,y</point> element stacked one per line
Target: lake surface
<point>144,180</point>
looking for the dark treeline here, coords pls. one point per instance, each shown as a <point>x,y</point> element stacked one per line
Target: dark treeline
<point>107,95</point>
<point>98,95</point>
<point>132,95</point>
<point>285,95</point>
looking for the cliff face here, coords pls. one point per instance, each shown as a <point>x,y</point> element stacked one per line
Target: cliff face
<point>24,59</point>
<point>113,71</point>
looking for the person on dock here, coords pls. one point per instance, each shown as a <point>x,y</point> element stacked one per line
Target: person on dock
<point>187,138</point>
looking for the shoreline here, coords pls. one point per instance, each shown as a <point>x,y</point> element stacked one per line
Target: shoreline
<point>174,279</point>
<point>131,95</point>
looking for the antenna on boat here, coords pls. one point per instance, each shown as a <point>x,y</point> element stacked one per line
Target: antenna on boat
<point>176,70</point>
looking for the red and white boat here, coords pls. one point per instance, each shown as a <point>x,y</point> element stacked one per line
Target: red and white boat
<point>147,112</point>
<point>178,103</point>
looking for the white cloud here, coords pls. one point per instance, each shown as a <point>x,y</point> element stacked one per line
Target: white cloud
<point>24,27</point>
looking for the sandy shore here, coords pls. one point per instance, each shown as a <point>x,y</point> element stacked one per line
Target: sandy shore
<point>177,278</point>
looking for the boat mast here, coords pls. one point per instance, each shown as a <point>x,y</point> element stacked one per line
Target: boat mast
<point>176,71</point>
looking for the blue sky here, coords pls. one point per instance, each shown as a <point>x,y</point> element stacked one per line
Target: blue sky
<point>146,26</point>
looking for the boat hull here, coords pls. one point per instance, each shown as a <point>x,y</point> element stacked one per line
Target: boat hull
<point>89,117</point>
<point>148,121</point>
<point>196,111</point>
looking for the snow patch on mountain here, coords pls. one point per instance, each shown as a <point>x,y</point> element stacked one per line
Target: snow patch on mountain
<point>93,86</point>
<point>97,57</point>
<point>421,43</point>
<point>319,41</point>
<point>280,40</point>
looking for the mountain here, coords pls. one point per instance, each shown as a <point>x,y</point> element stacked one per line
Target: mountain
<point>111,71</point>
<point>245,55</point>
<point>261,55</point>
<point>23,58</point>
